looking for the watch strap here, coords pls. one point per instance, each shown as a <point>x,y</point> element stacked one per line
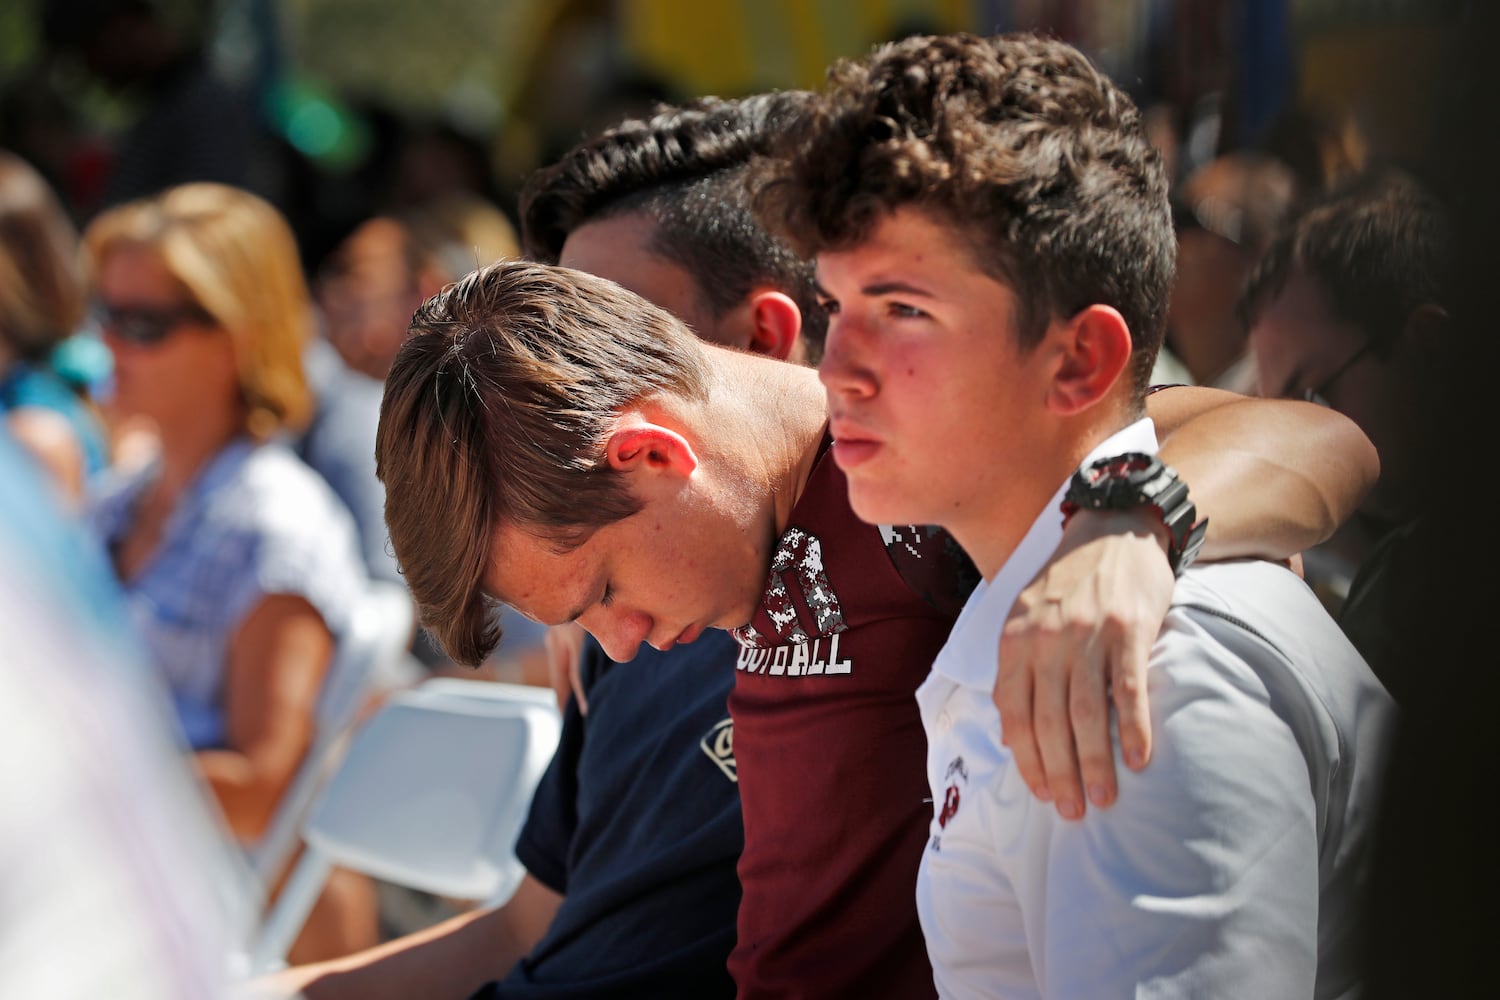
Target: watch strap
<point>1138,479</point>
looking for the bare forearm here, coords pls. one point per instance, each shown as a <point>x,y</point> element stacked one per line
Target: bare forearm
<point>278,657</point>
<point>452,959</point>
<point>246,794</point>
<point>1273,477</point>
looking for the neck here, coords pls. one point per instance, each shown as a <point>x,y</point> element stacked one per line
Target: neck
<point>769,417</point>
<point>990,535</point>
<point>1003,510</point>
<point>187,445</point>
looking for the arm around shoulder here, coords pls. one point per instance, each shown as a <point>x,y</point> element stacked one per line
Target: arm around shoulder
<point>1208,863</point>
<point>1274,477</point>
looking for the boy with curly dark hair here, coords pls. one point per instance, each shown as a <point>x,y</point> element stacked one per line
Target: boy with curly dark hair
<point>992,231</point>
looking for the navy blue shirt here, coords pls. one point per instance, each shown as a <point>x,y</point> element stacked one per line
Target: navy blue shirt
<point>637,824</point>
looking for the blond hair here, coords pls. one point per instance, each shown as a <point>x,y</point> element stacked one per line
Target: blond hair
<point>236,256</point>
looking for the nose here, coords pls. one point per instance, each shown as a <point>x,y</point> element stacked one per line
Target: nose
<point>843,369</point>
<point>619,632</point>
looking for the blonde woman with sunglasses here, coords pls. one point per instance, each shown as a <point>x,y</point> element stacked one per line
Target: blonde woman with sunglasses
<point>240,565</point>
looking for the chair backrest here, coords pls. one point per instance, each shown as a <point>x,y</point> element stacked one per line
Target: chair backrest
<point>431,794</point>
<point>368,655</point>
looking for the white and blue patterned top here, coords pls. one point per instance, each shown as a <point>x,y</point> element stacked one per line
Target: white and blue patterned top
<point>256,521</point>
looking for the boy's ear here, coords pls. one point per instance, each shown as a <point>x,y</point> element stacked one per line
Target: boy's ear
<point>638,444</point>
<point>776,323</point>
<point>1095,347</point>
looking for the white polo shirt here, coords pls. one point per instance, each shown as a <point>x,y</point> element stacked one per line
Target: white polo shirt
<point>1233,866</point>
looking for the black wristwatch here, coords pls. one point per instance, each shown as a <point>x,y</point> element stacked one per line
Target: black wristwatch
<point>1136,479</point>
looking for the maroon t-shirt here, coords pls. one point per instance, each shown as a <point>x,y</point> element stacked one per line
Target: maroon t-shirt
<point>831,753</point>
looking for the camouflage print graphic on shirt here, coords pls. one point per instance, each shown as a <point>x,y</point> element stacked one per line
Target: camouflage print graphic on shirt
<point>932,564</point>
<point>796,573</point>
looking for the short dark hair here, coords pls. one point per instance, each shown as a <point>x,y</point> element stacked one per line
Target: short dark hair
<point>497,410</point>
<point>1035,157</point>
<point>686,166</point>
<point>1377,246</point>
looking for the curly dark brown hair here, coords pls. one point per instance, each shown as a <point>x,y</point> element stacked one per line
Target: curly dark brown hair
<point>1019,142</point>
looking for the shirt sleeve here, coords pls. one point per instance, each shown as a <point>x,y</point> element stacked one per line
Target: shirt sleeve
<point>316,559</point>
<point>1203,879</point>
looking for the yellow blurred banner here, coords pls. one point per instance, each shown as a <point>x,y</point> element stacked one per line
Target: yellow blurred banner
<point>736,47</point>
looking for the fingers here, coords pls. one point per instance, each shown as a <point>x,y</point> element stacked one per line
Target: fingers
<point>575,674</point>
<point>564,644</point>
<point>1054,710</point>
<point>1013,699</point>
<point>1132,708</point>
<point>1088,708</point>
<point>1054,739</point>
<point>557,675</point>
<point>1055,720</point>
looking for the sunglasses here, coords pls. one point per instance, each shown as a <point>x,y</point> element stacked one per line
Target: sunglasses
<point>148,326</point>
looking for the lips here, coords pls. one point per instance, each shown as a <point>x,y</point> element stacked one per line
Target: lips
<point>853,446</point>
<point>689,634</point>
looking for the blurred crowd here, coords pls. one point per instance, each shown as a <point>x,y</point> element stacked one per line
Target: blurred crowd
<point>195,328</point>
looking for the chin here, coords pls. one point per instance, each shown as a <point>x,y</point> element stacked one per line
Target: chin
<point>875,502</point>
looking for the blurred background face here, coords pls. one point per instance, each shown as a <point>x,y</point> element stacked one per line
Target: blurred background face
<point>368,296</point>
<point>1303,350</point>
<point>178,377</point>
<point>1225,213</point>
<point>1210,271</point>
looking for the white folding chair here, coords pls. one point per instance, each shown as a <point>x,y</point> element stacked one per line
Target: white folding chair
<point>370,654</point>
<point>431,795</point>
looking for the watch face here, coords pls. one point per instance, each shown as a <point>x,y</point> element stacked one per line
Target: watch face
<point>1135,479</point>
<point>1122,481</point>
<point>1133,467</point>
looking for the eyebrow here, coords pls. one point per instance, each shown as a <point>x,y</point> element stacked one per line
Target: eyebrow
<point>573,616</point>
<point>894,288</point>
<point>495,598</point>
<point>880,288</point>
